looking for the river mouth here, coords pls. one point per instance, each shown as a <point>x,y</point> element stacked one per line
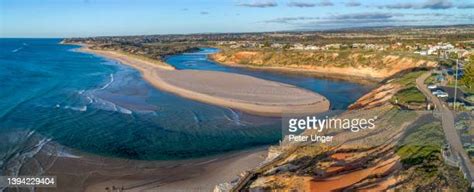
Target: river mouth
<point>341,93</point>
<point>95,105</point>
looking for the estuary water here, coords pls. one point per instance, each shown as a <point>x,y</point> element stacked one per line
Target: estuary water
<point>95,105</point>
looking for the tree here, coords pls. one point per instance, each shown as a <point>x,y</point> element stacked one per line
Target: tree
<point>266,44</point>
<point>468,78</point>
<point>453,55</point>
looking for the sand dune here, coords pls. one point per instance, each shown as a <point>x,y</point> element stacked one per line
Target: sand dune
<point>236,91</point>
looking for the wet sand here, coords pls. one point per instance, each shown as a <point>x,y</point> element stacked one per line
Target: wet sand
<point>79,171</point>
<point>242,92</point>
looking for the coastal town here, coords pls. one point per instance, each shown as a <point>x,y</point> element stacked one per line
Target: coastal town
<point>453,59</point>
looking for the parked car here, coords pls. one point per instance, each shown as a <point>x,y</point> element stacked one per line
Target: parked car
<point>432,86</point>
<point>443,95</point>
<point>437,92</point>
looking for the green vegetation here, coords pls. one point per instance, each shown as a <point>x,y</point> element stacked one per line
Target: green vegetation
<point>410,96</point>
<point>136,46</point>
<point>422,161</point>
<point>447,62</point>
<point>468,78</point>
<point>397,117</point>
<point>422,143</point>
<point>408,80</point>
<point>470,98</point>
<point>431,79</point>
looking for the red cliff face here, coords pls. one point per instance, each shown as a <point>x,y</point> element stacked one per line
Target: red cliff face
<point>376,97</point>
<point>364,65</point>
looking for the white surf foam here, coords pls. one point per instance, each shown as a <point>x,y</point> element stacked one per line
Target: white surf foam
<point>89,99</point>
<point>16,50</point>
<point>64,153</point>
<point>124,110</point>
<point>81,109</point>
<point>27,153</point>
<point>110,82</point>
<point>110,106</point>
<point>235,117</point>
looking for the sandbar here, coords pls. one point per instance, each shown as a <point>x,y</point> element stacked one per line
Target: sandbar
<point>241,92</point>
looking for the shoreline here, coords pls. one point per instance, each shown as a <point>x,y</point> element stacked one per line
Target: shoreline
<point>223,89</point>
<point>82,171</point>
<point>202,173</point>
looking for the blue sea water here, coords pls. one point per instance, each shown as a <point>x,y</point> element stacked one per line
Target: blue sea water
<point>99,106</point>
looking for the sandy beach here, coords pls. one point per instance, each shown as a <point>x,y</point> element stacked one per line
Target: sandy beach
<point>242,92</point>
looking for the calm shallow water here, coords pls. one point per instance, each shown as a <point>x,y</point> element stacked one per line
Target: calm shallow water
<point>99,106</point>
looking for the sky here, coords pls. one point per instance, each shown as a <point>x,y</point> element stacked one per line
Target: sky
<point>86,18</point>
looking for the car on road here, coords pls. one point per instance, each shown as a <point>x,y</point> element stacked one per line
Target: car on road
<point>432,86</point>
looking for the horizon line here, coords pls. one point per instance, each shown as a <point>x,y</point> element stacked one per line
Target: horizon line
<point>276,31</point>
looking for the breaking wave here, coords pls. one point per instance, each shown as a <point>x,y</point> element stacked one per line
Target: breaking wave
<point>110,82</point>
<point>16,50</point>
<point>109,106</point>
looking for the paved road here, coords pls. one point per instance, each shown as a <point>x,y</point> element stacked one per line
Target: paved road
<point>449,129</point>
